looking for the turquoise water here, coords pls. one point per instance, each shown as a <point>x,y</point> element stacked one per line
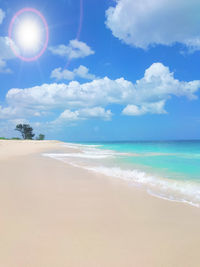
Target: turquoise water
<point>170,170</point>
<point>172,159</point>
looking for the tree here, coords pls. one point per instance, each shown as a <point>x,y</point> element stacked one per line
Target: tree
<point>26,131</point>
<point>40,137</point>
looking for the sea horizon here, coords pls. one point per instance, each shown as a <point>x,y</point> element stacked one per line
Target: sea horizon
<point>128,141</point>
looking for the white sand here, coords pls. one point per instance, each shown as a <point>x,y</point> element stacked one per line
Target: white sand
<point>55,215</point>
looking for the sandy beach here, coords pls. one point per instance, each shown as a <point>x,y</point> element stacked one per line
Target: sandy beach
<point>54,214</point>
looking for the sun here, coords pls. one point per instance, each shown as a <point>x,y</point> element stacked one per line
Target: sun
<point>28,35</point>
<point>28,32</point>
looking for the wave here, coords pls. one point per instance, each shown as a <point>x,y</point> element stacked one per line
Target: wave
<point>79,146</point>
<point>85,147</point>
<point>93,151</point>
<point>90,158</point>
<point>180,191</point>
<point>77,155</point>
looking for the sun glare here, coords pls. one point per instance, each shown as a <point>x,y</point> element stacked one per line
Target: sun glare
<point>28,35</point>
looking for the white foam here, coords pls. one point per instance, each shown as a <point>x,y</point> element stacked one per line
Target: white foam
<point>78,155</point>
<point>172,198</point>
<point>79,146</point>
<point>173,190</point>
<point>181,191</point>
<point>94,149</point>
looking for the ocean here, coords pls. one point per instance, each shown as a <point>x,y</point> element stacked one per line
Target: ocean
<point>165,169</point>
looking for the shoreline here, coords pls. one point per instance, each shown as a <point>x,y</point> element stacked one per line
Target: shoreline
<point>53,214</point>
<point>94,158</point>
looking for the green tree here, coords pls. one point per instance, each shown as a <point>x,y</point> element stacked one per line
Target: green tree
<point>40,137</point>
<point>26,131</point>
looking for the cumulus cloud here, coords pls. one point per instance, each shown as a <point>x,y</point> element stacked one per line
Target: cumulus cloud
<point>96,112</point>
<point>68,115</point>
<point>64,74</point>
<point>2,15</point>
<point>80,72</point>
<point>82,114</point>
<point>143,23</point>
<point>75,49</point>
<point>153,108</point>
<point>78,101</point>
<point>83,72</point>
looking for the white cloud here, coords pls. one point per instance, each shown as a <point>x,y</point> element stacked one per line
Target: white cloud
<point>81,71</point>
<point>69,115</point>
<point>60,74</point>
<point>143,23</point>
<point>96,112</point>
<point>147,95</point>
<point>153,108</point>
<point>2,15</point>
<point>82,114</point>
<point>75,49</point>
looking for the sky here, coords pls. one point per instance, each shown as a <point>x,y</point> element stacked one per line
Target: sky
<point>108,70</point>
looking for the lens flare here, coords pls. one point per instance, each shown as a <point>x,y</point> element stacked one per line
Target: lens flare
<point>29,33</point>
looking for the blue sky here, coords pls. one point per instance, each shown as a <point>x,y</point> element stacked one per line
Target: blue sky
<point>113,70</point>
